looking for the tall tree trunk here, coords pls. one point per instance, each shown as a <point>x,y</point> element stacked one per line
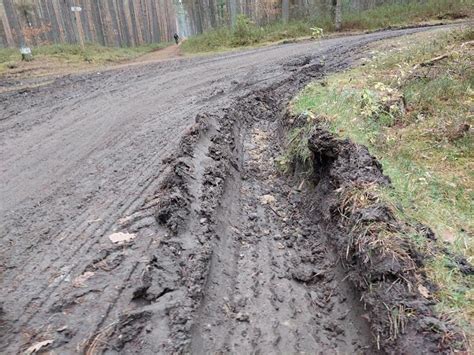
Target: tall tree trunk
<point>98,23</point>
<point>212,13</point>
<point>285,10</point>
<point>7,31</point>
<point>337,14</point>
<point>56,7</point>
<point>233,11</point>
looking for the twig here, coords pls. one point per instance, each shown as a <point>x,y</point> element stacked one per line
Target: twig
<point>274,211</point>
<point>434,60</point>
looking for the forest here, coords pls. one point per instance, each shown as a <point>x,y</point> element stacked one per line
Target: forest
<point>136,22</point>
<point>107,22</point>
<point>207,14</point>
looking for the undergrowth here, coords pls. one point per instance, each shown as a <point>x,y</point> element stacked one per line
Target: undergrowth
<point>411,105</point>
<point>247,33</point>
<point>408,12</point>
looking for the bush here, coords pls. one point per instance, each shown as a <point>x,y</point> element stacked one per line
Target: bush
<point>245,32</point>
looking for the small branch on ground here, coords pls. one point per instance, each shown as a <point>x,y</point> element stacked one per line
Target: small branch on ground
<point>433,61</point>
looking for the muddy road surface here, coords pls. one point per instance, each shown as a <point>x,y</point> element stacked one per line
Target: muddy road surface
<point>217,256</point>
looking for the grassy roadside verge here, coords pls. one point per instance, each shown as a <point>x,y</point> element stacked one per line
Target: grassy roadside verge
<point>411,12</point>
<point>411,105</point>
<point>247,34</point>
<point>74,55</point>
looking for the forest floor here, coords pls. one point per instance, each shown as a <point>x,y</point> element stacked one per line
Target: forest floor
<point>143,210</point>
<point>53,61</point>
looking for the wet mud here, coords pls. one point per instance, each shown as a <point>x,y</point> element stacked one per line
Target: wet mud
<point>228,254</point>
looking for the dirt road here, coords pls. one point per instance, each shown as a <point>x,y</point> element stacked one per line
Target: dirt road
<point>222,259</point>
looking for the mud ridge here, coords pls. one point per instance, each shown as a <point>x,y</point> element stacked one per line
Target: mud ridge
<point>383,265</point>
<point>170,280</point>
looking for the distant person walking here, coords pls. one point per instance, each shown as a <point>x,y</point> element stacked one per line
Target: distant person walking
<point>176,38</point>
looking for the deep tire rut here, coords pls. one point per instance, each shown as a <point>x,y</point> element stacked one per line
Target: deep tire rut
<point>273,285</point>
<point>239,269</point>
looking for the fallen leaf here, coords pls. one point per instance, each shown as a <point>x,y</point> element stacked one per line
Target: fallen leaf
<point>125,220</point>
<point>36,347</point>
<point>121,238</point>
<point>81,280</point>
<point>424,291</point>
<point>267,200</point>
<point>242,317</point>
<point>300,187</point>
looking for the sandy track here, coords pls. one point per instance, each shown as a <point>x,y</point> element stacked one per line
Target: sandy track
<point>83,157</point>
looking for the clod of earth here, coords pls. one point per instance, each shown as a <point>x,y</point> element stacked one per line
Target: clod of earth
<point>384,271</point>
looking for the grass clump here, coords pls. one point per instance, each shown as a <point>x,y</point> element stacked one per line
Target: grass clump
<point>298,154</point>
<point>371,238</point>
<point>412,108</point>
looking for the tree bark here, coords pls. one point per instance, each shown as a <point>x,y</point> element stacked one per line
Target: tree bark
<point>337,14</point>
<point>285,10</point>
<point>233,11</point>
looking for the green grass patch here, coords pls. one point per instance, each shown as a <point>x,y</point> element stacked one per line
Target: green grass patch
<point>74,54</point>
<point>412,107</point>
